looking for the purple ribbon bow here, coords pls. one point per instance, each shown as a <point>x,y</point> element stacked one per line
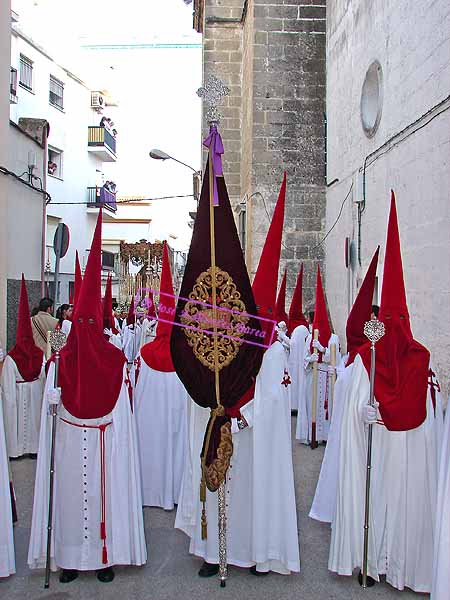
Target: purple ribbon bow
<point>214,143</point>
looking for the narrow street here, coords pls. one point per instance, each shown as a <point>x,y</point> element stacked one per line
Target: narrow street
<point>171,573</point>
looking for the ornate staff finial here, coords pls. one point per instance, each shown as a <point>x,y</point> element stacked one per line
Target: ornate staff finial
<point>374,330</point>
<point>213,92</point>
<point>57,340</point>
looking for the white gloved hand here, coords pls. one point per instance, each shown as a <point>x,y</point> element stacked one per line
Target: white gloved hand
<point>107,332</point>
<point>331,370</point>
<point>370,413</point>
<point>54,396</point>
<point>318,345</point>
<point>313,358</point>
<point>2,354</point>
<point>283,338</point>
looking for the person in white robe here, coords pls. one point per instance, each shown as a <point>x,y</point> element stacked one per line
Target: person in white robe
<point>22,386</point>
<point>7,557</point>
<point>441,559</point>
<point>324,502</point>
<point>407,433</point>
<point>299,331</point>
<point>160,406</point>
<point>97,519</point>
<point>317,352</point>
<point>261,509</point>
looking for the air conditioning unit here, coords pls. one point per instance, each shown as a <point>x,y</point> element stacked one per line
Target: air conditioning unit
<point>97,100</point>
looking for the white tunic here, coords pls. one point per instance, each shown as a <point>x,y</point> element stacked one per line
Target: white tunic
<point>148,331</point>
<point>441,564</point>
<point>323,412</point>
<point>324,503</point>
<point>260,496</point>
<point>130,341</point>
<point>275,545</point>
<point>22,401</point>
<point>403,494</point>
<point>296,364</point>
<point>78,476</point>
<point>7,560</point>
<point>160,408</point>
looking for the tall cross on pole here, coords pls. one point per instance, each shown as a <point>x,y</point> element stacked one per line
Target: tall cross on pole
<point>213,92</point>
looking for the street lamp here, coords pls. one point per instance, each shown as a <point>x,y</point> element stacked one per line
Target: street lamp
<point>197,177</point>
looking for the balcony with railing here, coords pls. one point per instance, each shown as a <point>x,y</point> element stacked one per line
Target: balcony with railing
<point>13,86</point>
<point>100,197</point>
<point>102,143</point>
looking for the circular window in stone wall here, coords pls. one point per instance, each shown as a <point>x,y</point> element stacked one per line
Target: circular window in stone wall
<point>372,99</point>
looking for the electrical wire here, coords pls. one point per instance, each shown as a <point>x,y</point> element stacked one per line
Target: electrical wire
<point>18,178</point>
<point>337,219</point>
<point>132,200</point>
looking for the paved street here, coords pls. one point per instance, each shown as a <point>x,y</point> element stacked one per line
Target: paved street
<point>171,573</point>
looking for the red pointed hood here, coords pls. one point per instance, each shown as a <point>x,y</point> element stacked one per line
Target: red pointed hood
<point>78,279</point>
<point>280,307</point>
<point>108,318</point>
<point>402,363</point>
<point>25,354</point>
<point>157,353</point>
<point>151,312</point>
<point>91,369</point>
<point>131,317</point>
<point>321,320</point>
<point>361,311</point>
<point>266,278</point>
<point>296,316</point>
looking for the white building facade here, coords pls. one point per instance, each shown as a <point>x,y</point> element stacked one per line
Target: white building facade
<point>388,100</point>
<point>77,148</point>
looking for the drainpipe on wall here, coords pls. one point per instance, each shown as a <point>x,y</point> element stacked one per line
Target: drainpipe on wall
<point>44,207</point>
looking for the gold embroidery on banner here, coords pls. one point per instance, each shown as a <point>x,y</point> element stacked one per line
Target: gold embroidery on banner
<point>215,473</point>
<point>199,319</point>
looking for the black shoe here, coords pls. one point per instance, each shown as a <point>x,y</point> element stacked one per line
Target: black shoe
<point>370,580</point>
<point>68,575</point>
<point>253,571</point>
<point>105,575</point>
<point>32,456</point>
<point>208,570</point>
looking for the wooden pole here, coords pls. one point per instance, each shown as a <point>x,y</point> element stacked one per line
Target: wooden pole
<point>332,376</point>
<point>314,443</point>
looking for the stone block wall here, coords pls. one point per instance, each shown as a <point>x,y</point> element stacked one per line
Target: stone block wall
<point>271,53</point>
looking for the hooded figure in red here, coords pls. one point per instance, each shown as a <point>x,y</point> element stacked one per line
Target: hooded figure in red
<point>27,356</point>
<point>266,277</point>
<point>402,363</point>
<point>108,317</point>
<point>265,284</point>
<point>78,279</point>
<point>91,369</point>
<point>361,311</point>
<point>296,316</point>
<point>280,308</point>
<point>157,353</point>
<point>321,320</point>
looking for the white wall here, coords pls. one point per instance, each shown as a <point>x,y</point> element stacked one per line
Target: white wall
<point>411,41</point>
<point>69,133</point>
<point>5,26</point>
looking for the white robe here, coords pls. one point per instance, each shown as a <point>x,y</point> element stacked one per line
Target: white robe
<point>324,503</point>
<point>403,494</point>
<point>275,545</point>
<point>7,560</point>
<point>148,331</point>
<point>66,327</point>
<point>323,412</point>
<point>130,341</point>
<point>296,364</point>
<point>76,542</point>
<point>441,563</point>
<point>160,408</point>
<point>22,401</point>
<point>260,496</point>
